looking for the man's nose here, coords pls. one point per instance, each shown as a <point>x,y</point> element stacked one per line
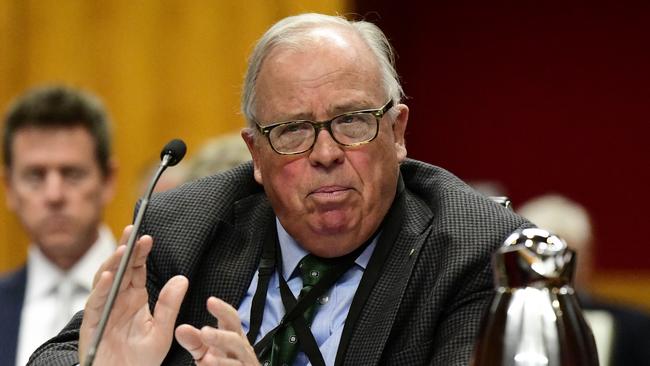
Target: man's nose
<point>54,187</point>
<point>326,150</point>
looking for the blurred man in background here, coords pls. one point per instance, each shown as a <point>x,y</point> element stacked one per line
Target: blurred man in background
<point>58,176</point>
<point>622,334</point>
<point>216,155</point>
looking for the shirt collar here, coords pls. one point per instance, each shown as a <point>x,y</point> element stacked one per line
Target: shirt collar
<point>292,252</point>
<point>83,271</point>
<point>43,275</point>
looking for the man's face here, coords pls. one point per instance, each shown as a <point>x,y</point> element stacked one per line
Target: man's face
<point>56,188</point>
<point>332,198</point>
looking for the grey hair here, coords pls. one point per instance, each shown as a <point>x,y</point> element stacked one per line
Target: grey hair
<point>562,216</point>
<point>293,32</point>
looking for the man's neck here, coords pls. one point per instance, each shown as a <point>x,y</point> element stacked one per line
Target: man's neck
<point>66,260</point>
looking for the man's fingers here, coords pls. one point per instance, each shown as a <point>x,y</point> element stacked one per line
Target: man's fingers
<point>169,302</point>
<point>139,277</point>
<point>226,315</point>
<point>111,262</point>
<point>229,338</point>
<point>97,298</point>
<point>141,251</point>
<point>134,276</point>
<point>228,343</point>
<point>138,268</point>
<point>224,346</point>
<point>190,339</point>
<point>210,359</point>
<point>139,257</point>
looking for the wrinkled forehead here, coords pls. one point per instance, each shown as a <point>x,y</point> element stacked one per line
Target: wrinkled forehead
<point>327,62</point>
<point>344,40</point>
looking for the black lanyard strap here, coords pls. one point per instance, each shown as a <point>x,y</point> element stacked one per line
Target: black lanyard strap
<point>293,315</point>
<point>257,306</point>
<point>264,273</point>
<point>306,340</point>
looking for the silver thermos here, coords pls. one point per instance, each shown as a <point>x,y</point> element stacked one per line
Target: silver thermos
<point>535,318</point>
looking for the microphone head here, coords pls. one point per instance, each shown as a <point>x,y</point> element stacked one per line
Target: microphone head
<point>176,149</point>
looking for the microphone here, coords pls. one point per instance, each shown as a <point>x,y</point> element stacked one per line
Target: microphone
<point>174,152</point>
<point>170,155</point>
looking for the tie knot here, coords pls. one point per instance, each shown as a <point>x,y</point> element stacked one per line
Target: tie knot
<point>313,269</point>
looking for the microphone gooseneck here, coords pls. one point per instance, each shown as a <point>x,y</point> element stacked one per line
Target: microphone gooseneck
<point>170,155</point>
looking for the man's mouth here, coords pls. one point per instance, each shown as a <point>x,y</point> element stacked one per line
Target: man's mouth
<point>330,197</point>
<point>330,190</point>
<point>56,221</point>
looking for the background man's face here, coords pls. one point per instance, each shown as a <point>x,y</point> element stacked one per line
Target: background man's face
<point>56,188</point>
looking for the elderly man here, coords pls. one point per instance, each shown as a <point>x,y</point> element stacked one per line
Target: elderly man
<point>58,176</point>
<point>330,248</point>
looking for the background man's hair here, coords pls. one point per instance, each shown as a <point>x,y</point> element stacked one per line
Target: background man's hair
<point>52,107</point>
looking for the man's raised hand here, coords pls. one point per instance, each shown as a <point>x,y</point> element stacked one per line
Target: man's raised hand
<point>225,345</point>
<point>133,336</point>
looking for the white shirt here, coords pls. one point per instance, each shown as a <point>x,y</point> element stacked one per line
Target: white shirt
<point>53,296</point>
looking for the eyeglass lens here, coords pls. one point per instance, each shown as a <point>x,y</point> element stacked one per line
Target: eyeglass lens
<point>348,129</point>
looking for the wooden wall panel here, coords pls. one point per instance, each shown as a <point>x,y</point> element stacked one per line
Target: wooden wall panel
<point>164,69</point>
<point>537,97</point>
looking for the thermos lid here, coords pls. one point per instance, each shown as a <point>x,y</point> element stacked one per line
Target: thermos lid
<point>541,241</point>
<point>533,257</point>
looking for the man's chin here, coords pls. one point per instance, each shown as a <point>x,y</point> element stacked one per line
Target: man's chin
<point>58,242</point>
<point>333,223</point>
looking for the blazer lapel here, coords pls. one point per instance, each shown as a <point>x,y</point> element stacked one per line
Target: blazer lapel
<point>370,330</point>
<point>227,266</point>
<point>231,260</point>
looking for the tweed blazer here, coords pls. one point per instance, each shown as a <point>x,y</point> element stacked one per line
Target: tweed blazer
<point>423,307</point>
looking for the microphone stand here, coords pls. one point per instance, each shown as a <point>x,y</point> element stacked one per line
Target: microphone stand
<point>124,262</point>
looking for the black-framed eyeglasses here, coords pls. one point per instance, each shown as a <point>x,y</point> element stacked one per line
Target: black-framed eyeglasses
<point>347,129</point>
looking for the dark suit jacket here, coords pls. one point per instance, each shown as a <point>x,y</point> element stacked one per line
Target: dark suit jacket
<point>631,343</point>
<point>12,294</point>
<point>424,305</point>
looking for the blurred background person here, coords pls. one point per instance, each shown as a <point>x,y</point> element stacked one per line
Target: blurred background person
<point>216,155</point>
<point>171,178</point>
<point>622,333</point>
<point>58,176</point>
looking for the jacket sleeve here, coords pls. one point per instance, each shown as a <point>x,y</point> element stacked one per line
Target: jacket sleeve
<point>62,349</point>
<point>459,327</point>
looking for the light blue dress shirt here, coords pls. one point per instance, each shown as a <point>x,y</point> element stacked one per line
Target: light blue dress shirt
<point>328,323</point>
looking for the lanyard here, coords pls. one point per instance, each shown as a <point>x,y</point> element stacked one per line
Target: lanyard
<point>272,261</point>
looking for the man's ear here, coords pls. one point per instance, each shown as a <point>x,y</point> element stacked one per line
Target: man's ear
<point>399,130</point>
<point>248,134</point>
